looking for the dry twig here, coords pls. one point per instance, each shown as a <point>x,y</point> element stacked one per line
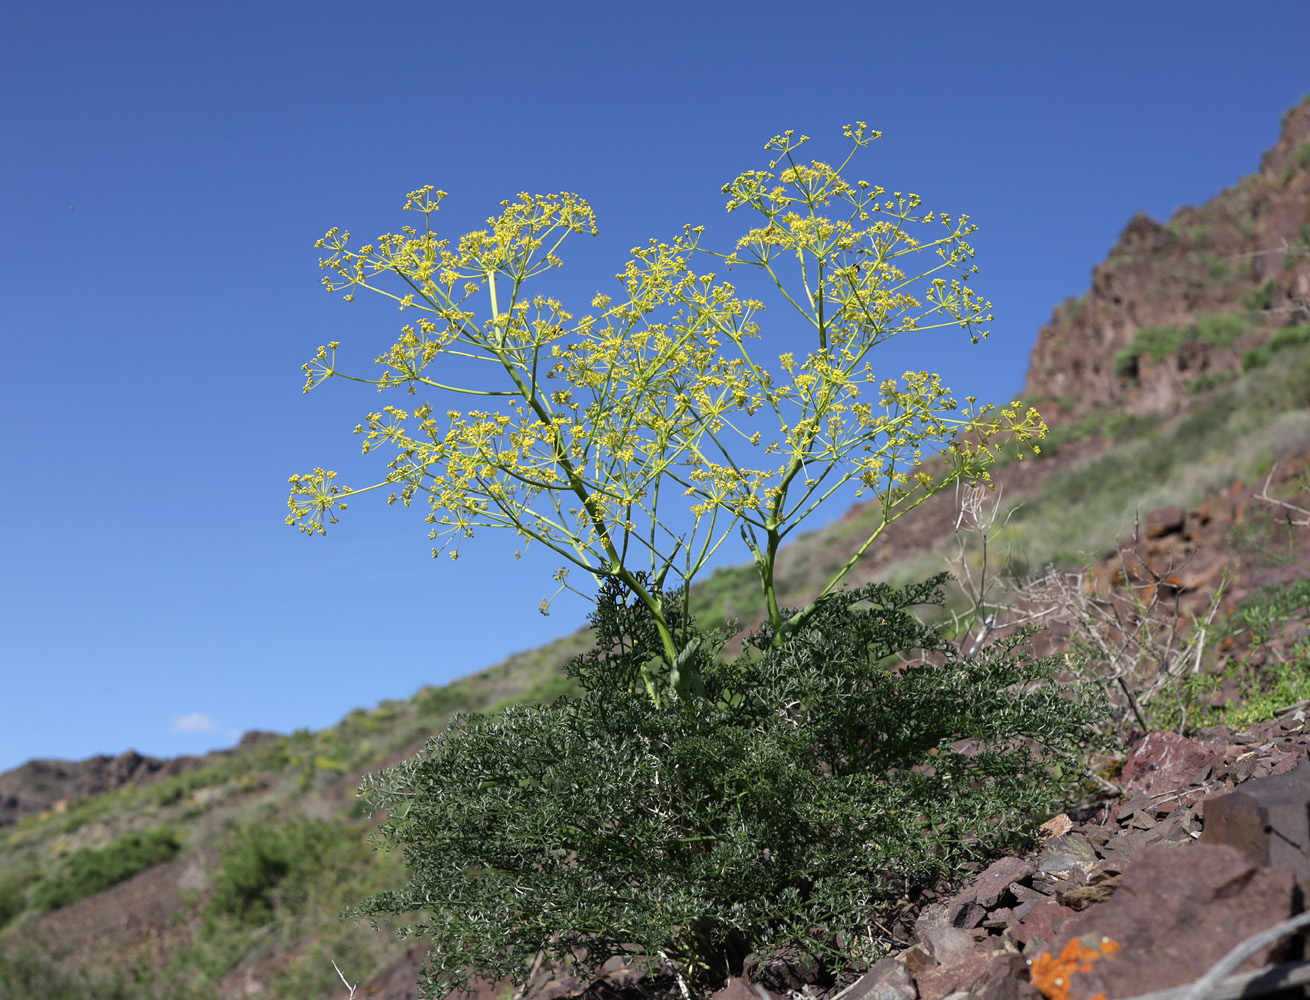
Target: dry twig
<point>1204,986</point>
<point>343,979</point>
<point>1264,497</point>
<point>1140,639</point>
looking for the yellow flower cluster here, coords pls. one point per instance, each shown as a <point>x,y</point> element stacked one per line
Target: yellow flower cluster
<point>660,384</point>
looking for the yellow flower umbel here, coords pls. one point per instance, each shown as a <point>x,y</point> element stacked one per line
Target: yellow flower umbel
<point>588,419</point>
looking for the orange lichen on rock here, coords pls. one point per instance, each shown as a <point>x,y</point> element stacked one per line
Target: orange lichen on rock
<point>1052,975</point>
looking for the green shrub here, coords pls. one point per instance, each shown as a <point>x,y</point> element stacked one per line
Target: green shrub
<point>1287,338</point>
<point>13,897</point>
<point>1128,426</point>
<point>440,702</point>
<point>1290,337</point>
<point>1161,342</point>
<point>795,789</point>
<point>1293,391</point>
<point>1117,428</point>
<point>1262,298</point>
<point>74,823</point>
<point>38,975</point>
<point>1256,357</point>
<point>1208,381</point>
<point>174,789</point>
<point>268,867</point>
<point>1220,329</point>
<point>1219,267</point>
<point>1157,341</point>
<point>87,871</point>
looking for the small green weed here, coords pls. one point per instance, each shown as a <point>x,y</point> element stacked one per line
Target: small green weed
<point>38,975</point>
<point>1192,703</point>
<point>1262,615</point>
<point>1263,542</point>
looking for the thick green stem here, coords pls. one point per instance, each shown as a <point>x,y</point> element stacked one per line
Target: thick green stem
<point>578,486</point>
<point>765,564</point>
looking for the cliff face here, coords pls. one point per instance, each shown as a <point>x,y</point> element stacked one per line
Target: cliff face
<point>1244,255</point>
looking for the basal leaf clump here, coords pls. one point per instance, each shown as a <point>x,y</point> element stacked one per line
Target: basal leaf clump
<point>779,803</point>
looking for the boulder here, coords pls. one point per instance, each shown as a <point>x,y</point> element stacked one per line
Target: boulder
<point>1164,762</point>
<point>1268,820</point>
<point>1177,911</point>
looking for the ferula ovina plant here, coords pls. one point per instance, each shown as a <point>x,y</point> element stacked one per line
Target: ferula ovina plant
<point>671,388</point>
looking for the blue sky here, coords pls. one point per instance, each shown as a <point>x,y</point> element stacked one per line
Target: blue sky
<point>168,167</point>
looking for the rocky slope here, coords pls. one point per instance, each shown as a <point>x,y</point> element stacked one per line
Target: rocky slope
<point>41,785</point>
<point>1249,247</point>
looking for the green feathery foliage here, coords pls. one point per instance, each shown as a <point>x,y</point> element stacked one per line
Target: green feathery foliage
<point>795,789</point>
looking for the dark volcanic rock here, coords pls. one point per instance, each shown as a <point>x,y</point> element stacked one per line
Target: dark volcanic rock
<point>1165,521</point>
<point>740,989</point>
<point>958,975</point>
<point>399,980</point>
<point>41,784</point>
<point>1177,911</point>
<point>1164,762</point>
<point>785,972</point>
<point>993,883</point>
<point>1268,820</point>
<point>1043,922</point>
<point>889,979</point>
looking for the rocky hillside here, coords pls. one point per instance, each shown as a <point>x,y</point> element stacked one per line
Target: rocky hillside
<point>1164,534</point>
<point>54,785</point>
<point>1146,330</point>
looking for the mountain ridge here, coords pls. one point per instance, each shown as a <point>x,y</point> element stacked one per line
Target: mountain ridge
<point>1237,249</point>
